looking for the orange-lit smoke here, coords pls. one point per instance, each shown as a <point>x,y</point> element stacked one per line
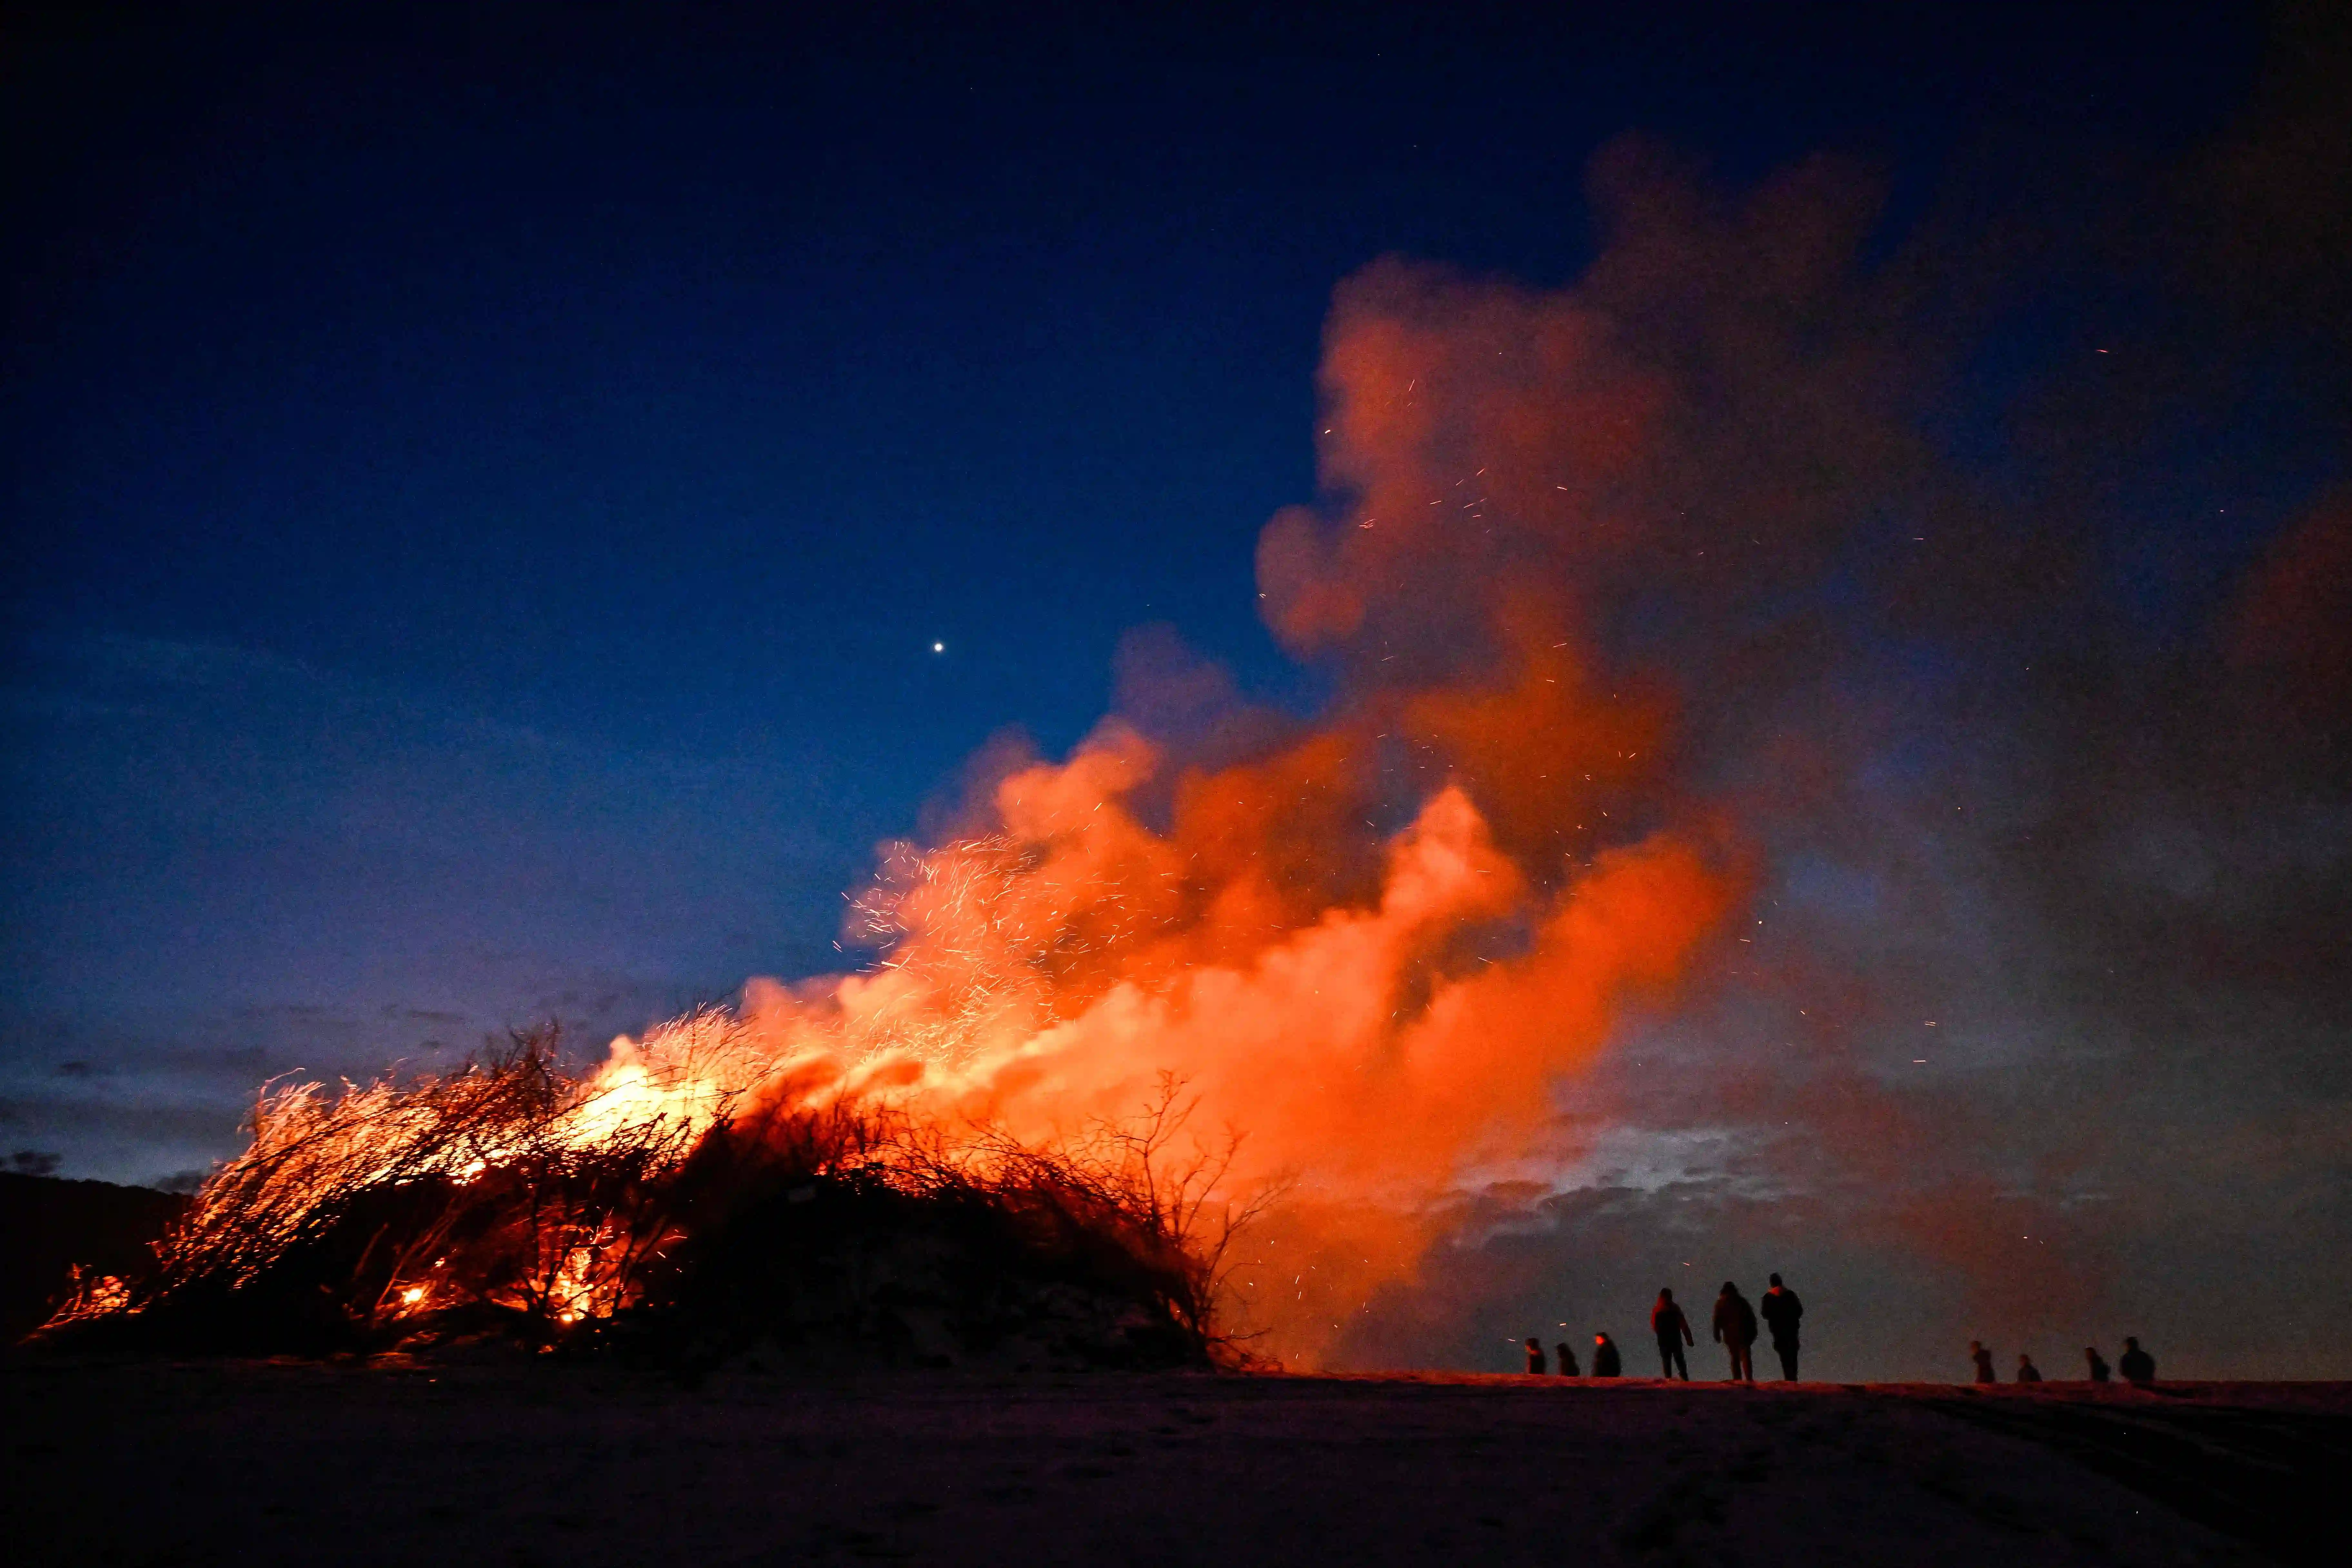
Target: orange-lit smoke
<point>1372,945</point>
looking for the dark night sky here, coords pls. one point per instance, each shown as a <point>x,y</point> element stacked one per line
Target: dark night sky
<point>483,493</point>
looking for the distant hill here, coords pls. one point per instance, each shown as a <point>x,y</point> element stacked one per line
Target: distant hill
<point>48,1226</point>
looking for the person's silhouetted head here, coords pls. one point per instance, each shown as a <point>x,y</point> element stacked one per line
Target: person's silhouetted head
<point>1665,1295</point>
<point>1776,1279</point>
<point>1729,1288</point>
<point>1974,1346</point>
<point>2130,1343</point>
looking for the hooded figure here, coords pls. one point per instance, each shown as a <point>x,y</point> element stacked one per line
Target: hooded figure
<point>1535,1356</point>
<point>1672,1331</point>
<point>2137,1365</point>
<point>2026,1370</point>
<point>1568,1367</point>
<point>1606,1363</point>
<point>1780,1310</point>
<point>1735,1328</point>
<point>2098,1366</point>
<point>1983,1358</point>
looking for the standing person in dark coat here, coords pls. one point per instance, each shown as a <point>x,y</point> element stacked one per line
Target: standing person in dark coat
<point>2026,1370</point>
<point>2137,1365</point>
<point>2098,1366</point>
<point>1735,1326</point>
<point>1535,1356</point>
<point>1672,1331</point>
<point>1983,1358</point>
<point>1606,1362</point>
<point>1568,1367</point>
<point>1781,1310</point>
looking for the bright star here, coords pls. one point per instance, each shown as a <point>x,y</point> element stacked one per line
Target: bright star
<point>939,648</point>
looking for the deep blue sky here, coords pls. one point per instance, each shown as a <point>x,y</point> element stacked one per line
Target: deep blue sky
<point>398,402</point>
<point>483,492</point>
<point>677,387</point>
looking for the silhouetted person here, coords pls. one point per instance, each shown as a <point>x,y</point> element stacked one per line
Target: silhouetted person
<point>1735,1326</point>
<point>1983,1358</point>
<point>2098,1367</point>
<point>2137,1365</point>
<point>1672,1331</point>
<point>1568,1367</point>
<point>1606,1362</point>
<point>1536,1356</point>
<point>1781,1310</point>
<point>2026,1370</point>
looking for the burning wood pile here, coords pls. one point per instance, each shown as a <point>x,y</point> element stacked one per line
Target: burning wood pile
<point>517,1201</point>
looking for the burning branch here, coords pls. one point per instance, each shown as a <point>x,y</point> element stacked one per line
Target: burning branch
<point>517,1200</point>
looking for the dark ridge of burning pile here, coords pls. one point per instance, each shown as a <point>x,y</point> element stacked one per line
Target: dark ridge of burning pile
<point>51,1227</point>
<point>457,1211</point>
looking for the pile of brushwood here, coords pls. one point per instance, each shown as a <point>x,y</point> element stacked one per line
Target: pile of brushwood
<point>471,1211</point>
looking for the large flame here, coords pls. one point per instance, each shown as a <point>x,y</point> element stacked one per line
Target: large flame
<point>1368,1053</point>
<point>1373,1032</point>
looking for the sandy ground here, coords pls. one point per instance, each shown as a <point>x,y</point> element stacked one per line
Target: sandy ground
<point>542,1464</point>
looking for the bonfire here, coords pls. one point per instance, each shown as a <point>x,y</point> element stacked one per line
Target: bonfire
<point>697,1196</point>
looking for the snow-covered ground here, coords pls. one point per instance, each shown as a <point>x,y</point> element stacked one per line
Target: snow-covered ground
<point>268,1463</point>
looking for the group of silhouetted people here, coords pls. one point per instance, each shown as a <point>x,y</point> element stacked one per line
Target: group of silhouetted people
<point>1735,1322</point>
<point>2138,1366</point>
<point>1606,1362</point>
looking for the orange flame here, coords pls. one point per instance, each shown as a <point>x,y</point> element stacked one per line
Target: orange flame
<point>1372,1042</point>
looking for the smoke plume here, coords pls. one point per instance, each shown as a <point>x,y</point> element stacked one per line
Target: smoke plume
<point>1755,811</point>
